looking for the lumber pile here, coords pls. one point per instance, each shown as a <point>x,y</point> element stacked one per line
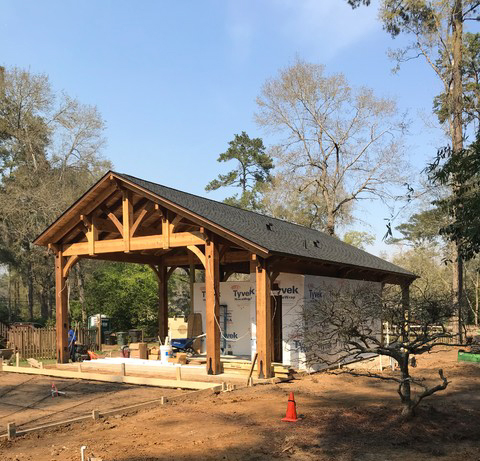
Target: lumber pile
<point>138,350</point>
<point>154,353</point>
<point>243,367</point>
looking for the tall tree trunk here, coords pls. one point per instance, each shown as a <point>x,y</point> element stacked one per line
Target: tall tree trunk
<point>30,292</point>
<point>9,296</point>
<point>81,293</point>
<point>44,304</point>
<point>476,299</point>
<point>457,143</point>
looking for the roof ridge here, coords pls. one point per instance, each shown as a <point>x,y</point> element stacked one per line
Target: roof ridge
<point>323,237</point>
<point>236,207</point>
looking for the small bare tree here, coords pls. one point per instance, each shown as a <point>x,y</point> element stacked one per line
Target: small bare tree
<point>345,326</point>
<point>343,143</point>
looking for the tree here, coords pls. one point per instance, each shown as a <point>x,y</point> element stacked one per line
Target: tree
<point>251,173</point>
<point>462,170</point>
<point>49,153</point>
<point>359,239</point>
<point>422,228</point>
<point>344,326</point>
<point>128,293</point>
<point>341,143</point>
<point>437,31</point>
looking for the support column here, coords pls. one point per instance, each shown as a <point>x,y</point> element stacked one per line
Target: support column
<point>162,302</point>
<point>191,275</point>
<point>405,311</point>
<point>61,308</point>
<point>212,288</point>
<point>264,320</point>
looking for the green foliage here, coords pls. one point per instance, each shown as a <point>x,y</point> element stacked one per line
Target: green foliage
<point>359,239</point>
<point>442,104</point>
<point>461,171</point>
<point>422,228</point>
<point>409,16</point>
<point>128,293</point>
<point>251,173</point>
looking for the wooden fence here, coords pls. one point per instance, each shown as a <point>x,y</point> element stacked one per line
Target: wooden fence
<point>3,331</point>
<point>40,343</point>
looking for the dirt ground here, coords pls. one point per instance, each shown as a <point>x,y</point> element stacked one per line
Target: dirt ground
<point>345,418</point>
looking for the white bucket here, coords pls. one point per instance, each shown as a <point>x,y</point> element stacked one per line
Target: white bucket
<point>165,353</point>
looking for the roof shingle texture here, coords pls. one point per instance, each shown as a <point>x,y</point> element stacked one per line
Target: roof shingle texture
<point>284,237</point>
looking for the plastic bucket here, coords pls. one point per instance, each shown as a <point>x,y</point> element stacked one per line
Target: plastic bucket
<point>166,352</point>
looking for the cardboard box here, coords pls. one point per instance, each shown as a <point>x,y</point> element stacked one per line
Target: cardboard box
<point>180,357</point>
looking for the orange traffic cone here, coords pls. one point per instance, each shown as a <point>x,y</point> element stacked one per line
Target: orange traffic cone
<point>291,410</point>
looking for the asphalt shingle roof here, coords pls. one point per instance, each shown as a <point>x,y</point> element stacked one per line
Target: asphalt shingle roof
<point>284,237</point>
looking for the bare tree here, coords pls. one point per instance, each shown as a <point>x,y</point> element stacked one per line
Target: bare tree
<point>346,325</point>
<point>49,153</point>
<point>343,143</point>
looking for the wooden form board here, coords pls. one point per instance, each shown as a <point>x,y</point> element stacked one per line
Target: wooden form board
<point>167,383</point>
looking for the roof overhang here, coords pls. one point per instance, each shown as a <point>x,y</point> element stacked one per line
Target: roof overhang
<point>108,185</point>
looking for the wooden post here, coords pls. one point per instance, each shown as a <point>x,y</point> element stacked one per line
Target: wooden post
<point>61,308</point>
<point>122,370</point>
<point>406,311</point>
<point>127,218</point>
<point>17,359</point>
<point>162,302</point>
<point>192,286</point>
<point>212,288</point>
<point>11,431</point>
<point>264,320</point>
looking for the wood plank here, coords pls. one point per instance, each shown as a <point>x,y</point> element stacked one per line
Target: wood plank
<point>127,218</point>
<point>166,232</point>
<point>147,242</point>
<point>113,218</point>
<point>198,253</point>
<point>176,221</point>
<point>61,314</point>
<point>144,381</point>
<point>228,258</point>
<point>212,288</point>
<point>144,210</point>
<point>72,260</point>
<point>264,319</point>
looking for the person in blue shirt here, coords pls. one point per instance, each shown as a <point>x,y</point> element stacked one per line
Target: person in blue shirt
<point>72,338</point>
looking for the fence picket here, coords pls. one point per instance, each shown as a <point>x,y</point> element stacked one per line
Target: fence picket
<point>40,343</point>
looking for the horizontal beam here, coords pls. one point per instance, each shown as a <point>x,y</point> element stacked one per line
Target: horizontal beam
<point>230,257</point>
<point>149,242</point>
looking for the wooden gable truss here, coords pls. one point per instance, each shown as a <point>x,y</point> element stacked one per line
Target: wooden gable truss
<point>120,222</point>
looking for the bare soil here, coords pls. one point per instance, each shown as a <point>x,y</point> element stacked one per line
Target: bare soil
<point>345,418</point>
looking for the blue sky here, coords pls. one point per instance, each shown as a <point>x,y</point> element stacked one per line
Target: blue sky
<point>175,80</point>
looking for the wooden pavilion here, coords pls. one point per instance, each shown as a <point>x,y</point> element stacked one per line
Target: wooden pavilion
<point>123,218</point>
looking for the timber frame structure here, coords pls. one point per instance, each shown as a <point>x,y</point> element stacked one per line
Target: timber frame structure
<point>122,218</point>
